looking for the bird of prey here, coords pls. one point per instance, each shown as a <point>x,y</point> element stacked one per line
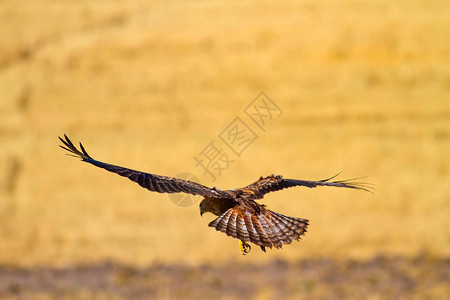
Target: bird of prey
<point>239,215</point>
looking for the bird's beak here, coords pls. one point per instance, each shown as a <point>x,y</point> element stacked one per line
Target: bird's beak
<point>201,211</point>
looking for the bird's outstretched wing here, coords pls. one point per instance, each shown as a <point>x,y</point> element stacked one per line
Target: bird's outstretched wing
<point>274,183</point>
<point>152,182</point>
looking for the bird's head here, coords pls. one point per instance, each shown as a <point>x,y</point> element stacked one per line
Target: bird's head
<point>209,205</point>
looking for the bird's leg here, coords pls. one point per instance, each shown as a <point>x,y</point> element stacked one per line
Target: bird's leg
<point>244,247</point>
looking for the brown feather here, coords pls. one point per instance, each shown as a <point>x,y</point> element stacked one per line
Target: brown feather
<point>152,182</point>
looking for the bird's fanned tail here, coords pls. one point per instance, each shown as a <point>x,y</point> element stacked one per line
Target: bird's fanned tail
<point>266,229</point>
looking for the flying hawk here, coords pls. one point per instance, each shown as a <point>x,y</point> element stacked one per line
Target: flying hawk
<point>239,215</point>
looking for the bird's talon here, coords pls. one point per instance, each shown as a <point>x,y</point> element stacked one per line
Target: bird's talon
<point>244,247</point>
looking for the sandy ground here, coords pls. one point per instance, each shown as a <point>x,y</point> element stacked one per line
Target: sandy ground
<point>377,278</point>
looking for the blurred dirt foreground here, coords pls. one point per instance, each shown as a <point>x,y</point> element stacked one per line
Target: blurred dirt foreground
<point>361,87</point>
<point>377,278</point>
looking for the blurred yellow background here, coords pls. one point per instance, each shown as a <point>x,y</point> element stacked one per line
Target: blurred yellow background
<point>364,87</point>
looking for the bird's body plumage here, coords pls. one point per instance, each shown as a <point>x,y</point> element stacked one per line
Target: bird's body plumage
<point>239,215</point>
